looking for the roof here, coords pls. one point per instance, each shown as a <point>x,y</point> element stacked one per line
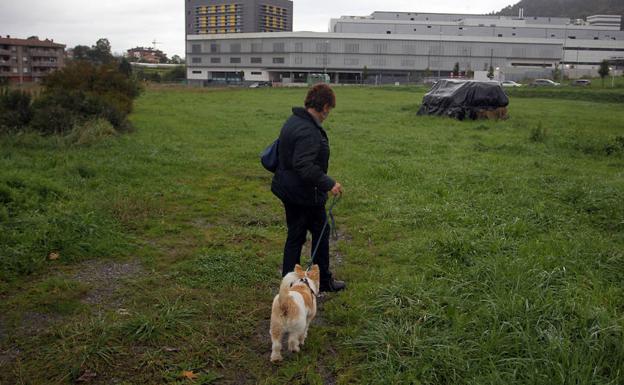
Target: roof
<point>30,42</point>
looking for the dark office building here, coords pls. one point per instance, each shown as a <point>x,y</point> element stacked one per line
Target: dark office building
<point>235,16</point>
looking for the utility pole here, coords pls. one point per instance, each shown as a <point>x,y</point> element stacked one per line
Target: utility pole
<point>440,52</point>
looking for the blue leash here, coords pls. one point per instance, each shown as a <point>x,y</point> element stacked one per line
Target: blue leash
<point>332,228</point>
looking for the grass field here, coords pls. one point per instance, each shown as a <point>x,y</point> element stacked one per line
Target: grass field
<point>475,252</point>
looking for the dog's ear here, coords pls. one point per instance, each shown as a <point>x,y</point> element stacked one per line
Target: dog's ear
<point>315,273</point>
<point>299,270</point>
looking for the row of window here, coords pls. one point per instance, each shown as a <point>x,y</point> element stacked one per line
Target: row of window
<point>383,49</point>
<point>378,61</point>
<point>237,60</point>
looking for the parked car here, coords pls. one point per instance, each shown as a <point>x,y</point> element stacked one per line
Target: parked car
<point>260,84</point>
<point>510,83</point>
<point>544,83</point>
<point>581,82</point>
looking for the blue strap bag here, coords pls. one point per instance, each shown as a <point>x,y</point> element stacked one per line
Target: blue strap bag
<point>269,157</point>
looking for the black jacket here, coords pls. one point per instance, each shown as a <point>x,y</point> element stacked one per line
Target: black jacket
<point>301,176</point>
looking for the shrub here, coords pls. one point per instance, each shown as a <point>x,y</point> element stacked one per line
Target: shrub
<point>15,109</point>
<point>52,119</point>
<point>90,132</point>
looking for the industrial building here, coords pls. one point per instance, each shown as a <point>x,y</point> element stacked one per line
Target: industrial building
<point>406,47</point>
<point>29,60</point>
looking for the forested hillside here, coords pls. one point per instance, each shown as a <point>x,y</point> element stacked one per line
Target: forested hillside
<point>565,8</point>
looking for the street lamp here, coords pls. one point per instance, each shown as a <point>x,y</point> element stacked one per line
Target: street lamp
<point>612,77</point>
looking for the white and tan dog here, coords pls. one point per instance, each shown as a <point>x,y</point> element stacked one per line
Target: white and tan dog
<point>293,309</point>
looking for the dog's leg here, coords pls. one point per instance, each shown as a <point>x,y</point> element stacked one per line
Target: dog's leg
<point>276,339</point>
<point>293,342</point>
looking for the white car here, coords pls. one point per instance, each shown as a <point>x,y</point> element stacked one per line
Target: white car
<point>510,83</point>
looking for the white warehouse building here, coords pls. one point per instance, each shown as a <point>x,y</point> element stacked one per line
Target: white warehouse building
<point>405,47</point>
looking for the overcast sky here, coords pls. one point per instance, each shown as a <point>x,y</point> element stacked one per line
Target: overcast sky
<point>131,23</point>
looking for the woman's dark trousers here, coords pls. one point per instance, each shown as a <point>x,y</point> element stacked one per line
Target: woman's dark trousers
<point>300,220</point>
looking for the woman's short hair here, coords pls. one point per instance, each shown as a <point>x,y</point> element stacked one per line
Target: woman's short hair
<point>319,96</point>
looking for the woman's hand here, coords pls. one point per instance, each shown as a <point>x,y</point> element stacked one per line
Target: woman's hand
<point>337,189</point>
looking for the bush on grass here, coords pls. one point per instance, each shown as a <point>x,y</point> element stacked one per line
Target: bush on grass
<point>15,110</point>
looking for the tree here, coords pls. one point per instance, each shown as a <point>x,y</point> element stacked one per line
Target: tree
<point>81,52</point>
<point>101,52</point>
<point>490,73</point>
<point>175,59</point>
<point>604,70</point>
<point>365,73</point>
<point>456,70</point>
<point>556,73</point>
<point>125,67</point>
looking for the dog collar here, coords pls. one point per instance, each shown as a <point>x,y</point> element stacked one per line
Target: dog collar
<point>305,280</point>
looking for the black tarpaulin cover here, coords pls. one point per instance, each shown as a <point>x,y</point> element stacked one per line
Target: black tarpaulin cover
<point>462,99</point>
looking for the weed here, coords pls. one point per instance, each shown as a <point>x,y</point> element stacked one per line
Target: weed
<point>538,134</point>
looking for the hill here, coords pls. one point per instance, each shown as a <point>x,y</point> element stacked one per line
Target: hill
<point>565,8</point>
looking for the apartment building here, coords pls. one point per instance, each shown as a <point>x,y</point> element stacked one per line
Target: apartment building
<point>29,60</point>
<point>146,55</point>
<point>237,16</point>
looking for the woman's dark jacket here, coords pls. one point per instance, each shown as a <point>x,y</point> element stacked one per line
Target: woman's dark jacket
<point>301,176</point>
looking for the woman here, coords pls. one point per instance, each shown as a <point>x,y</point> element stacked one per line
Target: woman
<point>301,181</point>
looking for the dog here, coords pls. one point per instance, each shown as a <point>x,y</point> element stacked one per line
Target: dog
<point>293,309</point>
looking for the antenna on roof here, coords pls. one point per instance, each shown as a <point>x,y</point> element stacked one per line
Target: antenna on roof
<point>154,42</point>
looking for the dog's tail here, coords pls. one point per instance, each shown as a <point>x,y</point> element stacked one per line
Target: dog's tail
<point>283,299</point>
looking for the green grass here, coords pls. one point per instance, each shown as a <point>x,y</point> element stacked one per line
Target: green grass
<point>475,252</point>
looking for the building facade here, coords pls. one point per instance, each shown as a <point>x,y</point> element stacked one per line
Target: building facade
<point>404,47</point>
<point>29,60</point>
<point>146,55</point>
<point>354,58</point>
<point>238,16</point>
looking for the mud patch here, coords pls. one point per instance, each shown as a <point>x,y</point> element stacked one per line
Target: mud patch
<point>104,278</point>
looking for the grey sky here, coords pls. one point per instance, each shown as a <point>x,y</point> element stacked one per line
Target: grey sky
<point>134,23</point>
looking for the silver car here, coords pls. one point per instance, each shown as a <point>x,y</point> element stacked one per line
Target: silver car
<point>544,83</point>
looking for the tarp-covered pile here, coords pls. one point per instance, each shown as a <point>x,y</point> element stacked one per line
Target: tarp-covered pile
<point>465,99</point>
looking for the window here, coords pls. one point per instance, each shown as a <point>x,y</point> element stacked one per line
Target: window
<point>196,48</point>
<point>215,60</point>
<point>351,61</point>
<point>298,60</point>
<point>256,47</point>
<point>197,72</point>
<point>500,35</point>
<point>408,62</point>
<point>278,47</point>
<point>235,47</point>
<point>235,60</point>
<point>379,61</point>
<point>278,60</point>
<point>380,47</point>
<point>409,49</point>
<point>256,73</point>
<point>299,47</point>
<point>214,48</point>
<point>322,47</point>
<point>320,60</point>
<point>352,48</point>
<point>196,60</point>
<point>388,32</point>
<point>256,60</point>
